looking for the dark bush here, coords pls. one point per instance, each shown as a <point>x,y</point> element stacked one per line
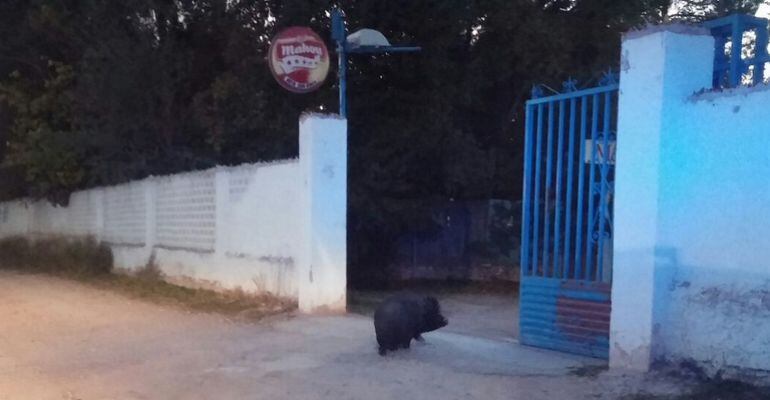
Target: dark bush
<point>66,256</point>
<point>15,252</point>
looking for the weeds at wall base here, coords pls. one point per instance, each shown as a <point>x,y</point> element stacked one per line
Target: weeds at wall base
<point>77,258</point>
<point>723,390</point>
<point>234,303</point>
<point>90,262</point>
<point>704,386</point>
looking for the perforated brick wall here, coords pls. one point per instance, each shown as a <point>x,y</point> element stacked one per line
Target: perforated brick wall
<point>125,218</point>
<point>186,211</point>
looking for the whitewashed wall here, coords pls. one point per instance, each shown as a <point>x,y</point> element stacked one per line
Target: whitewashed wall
<point>15,218</point>
<point>242,227</point>
<point>692,216</point>
<point>716,219</point>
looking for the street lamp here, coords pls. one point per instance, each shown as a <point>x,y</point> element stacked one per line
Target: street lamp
<point>362,41</point>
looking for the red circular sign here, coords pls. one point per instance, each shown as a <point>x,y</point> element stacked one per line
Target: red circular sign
<point>299,59</point>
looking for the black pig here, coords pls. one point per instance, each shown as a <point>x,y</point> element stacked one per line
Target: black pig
<point>403,317</point>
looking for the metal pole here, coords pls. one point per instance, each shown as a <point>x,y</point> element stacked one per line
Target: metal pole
<point>342,78</point>
<point>736,64</point>
<point>339,35</point>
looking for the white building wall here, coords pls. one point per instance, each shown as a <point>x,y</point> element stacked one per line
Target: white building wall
<point>692,221</point>
<point>715,216</point>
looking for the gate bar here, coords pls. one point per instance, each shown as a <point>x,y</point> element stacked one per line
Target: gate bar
<point>566,270</point>
<point>581,186</point>
<point>559,166</point>
<point>603,192</point>
<point>589,270</point>
<point>579,93</point>
<point>524,264</point>
<point>548,190</point>
<point>536,199</point>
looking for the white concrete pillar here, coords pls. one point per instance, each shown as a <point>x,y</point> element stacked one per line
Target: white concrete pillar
<point>660,68</point>
<point>322,271</point>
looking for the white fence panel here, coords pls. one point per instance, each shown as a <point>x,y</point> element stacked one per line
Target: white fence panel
<point>186,211</point>
<point>14,218</point>
<point>84,213</point>
<point>263,203</point>
<point>125,214</point>
<point>48,219</point>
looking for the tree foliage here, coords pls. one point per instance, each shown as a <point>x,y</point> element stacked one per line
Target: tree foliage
<point>96,92</point>
<point>699,10</point>
<point>43,139</point>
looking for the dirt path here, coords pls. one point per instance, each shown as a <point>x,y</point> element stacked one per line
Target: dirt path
<point>65,340</point>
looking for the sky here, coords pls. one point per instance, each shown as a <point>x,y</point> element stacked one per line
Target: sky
<point>764,10</point>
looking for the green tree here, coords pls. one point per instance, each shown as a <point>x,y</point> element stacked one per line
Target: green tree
<point>43,140</point>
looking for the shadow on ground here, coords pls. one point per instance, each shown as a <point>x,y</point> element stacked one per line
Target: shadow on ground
<point>486,310</point>
<point>712,390</point>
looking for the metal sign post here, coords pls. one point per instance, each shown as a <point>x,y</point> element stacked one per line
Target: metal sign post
<point>362,41</point>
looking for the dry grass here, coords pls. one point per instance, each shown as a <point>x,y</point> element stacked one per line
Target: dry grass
<point>90,262</point>
<point>149,285</point>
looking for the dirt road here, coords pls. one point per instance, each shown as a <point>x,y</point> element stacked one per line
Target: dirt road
<point>65,340</point>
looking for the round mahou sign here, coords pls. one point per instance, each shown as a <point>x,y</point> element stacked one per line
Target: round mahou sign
<point>299,59</point>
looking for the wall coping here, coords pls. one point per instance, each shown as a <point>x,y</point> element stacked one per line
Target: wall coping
<point>682,29</point>
<point>714,94</point>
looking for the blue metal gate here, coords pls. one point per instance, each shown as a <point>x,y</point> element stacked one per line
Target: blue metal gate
<point>566,241</point>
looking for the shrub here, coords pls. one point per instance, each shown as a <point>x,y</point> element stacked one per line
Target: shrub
<point>15,252</point>
<point>79,257</point>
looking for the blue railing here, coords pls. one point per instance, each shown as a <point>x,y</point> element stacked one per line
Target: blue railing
<point>568,182</point>
<point>737,65</point>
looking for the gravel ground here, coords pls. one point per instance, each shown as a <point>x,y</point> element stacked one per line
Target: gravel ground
<point>62,339</point>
